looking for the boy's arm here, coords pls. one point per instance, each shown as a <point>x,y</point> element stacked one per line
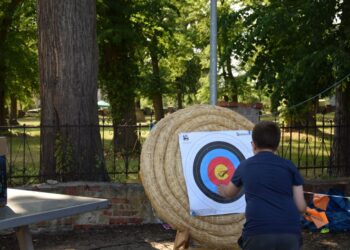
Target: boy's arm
<point>298,196</point>
<point>228,191</point>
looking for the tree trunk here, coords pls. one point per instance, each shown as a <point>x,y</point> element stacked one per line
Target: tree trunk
<point>2,103</point>
<point>70,139</point>
<point>232,81</point>
<point>157,101</point>
<point>228,74</point>
<point>179,97</point>
<point>157,97</point>
<point>341,147</point>
<point>13,112</point>
<point>125,133</point>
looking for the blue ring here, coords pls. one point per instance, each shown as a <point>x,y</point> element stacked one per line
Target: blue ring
<point>218,152</point>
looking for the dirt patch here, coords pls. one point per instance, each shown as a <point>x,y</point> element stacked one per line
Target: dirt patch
<point>145,237</point>
<point>119,237</point>
<point>329,241</point>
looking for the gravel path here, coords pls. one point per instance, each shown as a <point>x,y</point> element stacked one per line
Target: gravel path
<point>147,237</point>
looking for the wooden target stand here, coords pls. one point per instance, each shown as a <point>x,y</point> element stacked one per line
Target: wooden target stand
<point>183,240</point>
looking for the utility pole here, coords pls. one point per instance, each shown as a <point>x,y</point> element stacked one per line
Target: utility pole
<point>213,51</point>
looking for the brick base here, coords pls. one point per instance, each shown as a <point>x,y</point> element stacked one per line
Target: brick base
<point>128,205</point>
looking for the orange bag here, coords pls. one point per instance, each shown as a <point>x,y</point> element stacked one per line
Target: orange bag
<point>318,218</point>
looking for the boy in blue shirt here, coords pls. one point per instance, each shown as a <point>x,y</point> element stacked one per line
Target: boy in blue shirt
<point>274,194</point>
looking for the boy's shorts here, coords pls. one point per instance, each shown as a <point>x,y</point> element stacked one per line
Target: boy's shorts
<point>271,242</point>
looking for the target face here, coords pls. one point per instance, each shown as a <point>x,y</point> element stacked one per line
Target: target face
<point>210,159</point>
<point>215,164</point>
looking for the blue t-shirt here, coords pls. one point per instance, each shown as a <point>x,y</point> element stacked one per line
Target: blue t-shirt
<point>267,180</point>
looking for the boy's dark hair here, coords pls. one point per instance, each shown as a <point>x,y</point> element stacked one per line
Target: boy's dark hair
<point>266,135</point>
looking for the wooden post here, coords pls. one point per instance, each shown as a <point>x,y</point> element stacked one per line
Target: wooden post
<point>182,240</point>
<point>3,146</point>
<point>24,238</point>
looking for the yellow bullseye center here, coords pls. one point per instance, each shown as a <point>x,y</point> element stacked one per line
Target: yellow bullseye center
<point>221,172</point>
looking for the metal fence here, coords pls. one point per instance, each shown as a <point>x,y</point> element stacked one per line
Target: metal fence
<point>308,146</point>
<point>24,149</point>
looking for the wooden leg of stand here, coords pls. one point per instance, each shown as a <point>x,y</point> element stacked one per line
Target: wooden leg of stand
<point>24,238</point>
<point>182,240</point>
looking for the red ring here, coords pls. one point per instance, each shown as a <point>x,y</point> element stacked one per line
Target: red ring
<point>211,170</point>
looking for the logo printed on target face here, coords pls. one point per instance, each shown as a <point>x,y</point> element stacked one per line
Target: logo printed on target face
<point>185,138</point>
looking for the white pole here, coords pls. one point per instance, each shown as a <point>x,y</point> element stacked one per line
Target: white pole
<point>213,48</point>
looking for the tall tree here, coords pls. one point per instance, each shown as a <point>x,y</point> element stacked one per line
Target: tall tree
<point>155,21</point>
<point>183,61</point>
<point>118,41</point>
<point>229,28</point>
<point>7,10</point>
<point>287,45</point>
<point>298,48</point>
<point>21,58</point>
<point>187,83</point>
<point>68,59</point>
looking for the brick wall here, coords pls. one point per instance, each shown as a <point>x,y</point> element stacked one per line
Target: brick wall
<point>249,111</point>
<point>323,186</point>
<point>128,205</point>
<point>252,114</point>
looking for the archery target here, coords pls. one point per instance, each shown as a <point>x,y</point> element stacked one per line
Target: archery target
<point>209,159</point>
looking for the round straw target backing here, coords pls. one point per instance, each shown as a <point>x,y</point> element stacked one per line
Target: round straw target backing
<point>163,179</point>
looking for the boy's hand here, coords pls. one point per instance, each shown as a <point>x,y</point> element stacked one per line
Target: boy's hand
<point>228,191</point>
<point>221,190</point>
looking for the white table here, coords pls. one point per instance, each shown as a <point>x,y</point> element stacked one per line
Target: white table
<point>27,207</point>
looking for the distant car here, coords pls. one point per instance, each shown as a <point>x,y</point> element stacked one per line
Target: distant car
<point>34,111</point>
